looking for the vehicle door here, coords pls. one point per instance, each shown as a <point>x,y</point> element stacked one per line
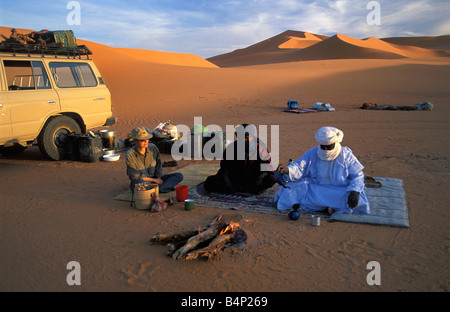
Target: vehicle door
<point>30,96</point>
<point>5,119</point>
<point>79,91</point>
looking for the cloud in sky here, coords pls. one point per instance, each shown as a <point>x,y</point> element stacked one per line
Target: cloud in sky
<point>212,27</point>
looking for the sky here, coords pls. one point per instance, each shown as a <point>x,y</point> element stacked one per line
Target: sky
<point>212,27</point>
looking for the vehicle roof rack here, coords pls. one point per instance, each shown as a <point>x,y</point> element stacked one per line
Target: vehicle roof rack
<point>43,50</point>
<point>44,42</point>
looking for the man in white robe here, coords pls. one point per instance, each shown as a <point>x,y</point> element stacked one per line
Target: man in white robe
<point>328,176</point>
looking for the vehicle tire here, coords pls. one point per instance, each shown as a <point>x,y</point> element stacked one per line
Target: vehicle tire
<point>52,137</point>
<point>12,150</point>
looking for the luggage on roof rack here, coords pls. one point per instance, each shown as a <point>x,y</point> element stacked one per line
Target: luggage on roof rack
<point>59,42</point>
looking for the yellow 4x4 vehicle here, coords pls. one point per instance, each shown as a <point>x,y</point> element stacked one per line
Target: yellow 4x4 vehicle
<point>45,97</point>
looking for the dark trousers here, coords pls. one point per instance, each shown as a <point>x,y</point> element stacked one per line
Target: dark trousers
<point>169,182</point>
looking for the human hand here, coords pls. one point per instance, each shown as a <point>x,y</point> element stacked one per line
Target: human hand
<point>353,199</point>
<point>282,169</point>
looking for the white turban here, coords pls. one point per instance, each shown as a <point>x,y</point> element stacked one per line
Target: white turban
<point>329,135</point>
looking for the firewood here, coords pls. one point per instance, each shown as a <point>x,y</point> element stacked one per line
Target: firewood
<point>212,249</point>
<point>194,241</point>
<point>170,249</point>
<point>189,245</point>
<point>176,237</point>
<point>172,237</point>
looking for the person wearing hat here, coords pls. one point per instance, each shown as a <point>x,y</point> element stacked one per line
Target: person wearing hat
<point>144,163</point>
<point>327,177</point>
<point>241,165</point>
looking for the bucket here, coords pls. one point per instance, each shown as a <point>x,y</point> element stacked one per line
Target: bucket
<point>182,192</point>
<point>143,199</point>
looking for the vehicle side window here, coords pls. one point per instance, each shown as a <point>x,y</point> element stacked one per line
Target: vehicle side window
<point>26,75</point>
<point>72,75</point>
<point>40,75</point>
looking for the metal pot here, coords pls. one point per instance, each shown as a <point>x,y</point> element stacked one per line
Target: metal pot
<point>106,134</point>
<point>109,139</point>
<point>109,151</point>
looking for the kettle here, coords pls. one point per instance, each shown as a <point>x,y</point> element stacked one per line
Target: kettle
<point>294,214</point>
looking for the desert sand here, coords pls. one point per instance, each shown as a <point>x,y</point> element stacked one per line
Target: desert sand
<point>56,212</point>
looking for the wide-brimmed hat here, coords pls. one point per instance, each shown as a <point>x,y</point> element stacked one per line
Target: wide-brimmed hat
<point>140,133</point>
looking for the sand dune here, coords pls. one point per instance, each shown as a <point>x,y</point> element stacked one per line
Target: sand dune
<point>150,56</point>
<point>277,49</point>
<point>6,31</point>
<point>402,50</point>
<point>168,58</point>
<point>293,46</point>
<point>273,44</point>
<point>300,46</point>
<point>300,43</point>
<point>344,47</point>
<point>429,42</point>
<point>157,57</point>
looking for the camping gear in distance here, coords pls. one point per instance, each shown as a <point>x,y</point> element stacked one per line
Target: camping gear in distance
<point>292,104</point>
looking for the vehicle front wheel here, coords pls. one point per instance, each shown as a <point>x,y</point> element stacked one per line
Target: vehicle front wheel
<point>52,138</point>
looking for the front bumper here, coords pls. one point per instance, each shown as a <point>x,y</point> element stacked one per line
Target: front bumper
<point>110,121</point>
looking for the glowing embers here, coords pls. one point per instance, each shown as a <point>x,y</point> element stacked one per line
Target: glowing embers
<point>231,227</point>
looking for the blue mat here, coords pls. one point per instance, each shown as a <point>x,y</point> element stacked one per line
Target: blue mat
<point>387,204</point>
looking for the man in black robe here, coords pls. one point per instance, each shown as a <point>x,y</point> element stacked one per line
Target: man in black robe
<point>241,165</point>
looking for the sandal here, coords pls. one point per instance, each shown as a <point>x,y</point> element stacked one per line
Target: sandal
<point>371,182</point>
<point>171,163</point>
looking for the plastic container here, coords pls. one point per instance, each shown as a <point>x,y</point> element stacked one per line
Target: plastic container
<point>181,192</point>
<point>91,148</point>
<point>111,157</point>
<point>72,146</point>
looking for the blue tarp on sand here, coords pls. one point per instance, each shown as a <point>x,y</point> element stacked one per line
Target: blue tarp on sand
<point>387,204</point>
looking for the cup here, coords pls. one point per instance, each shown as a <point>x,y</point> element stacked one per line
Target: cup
<point>181,192</point>
<point>189,204</point>
<point>315,219</point>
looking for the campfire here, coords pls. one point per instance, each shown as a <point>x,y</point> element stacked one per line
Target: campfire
<point>203,242</point>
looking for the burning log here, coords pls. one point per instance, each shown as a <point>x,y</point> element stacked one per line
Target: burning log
<point>213,248</point>
<point>189,245</point>
<point>194,241</point>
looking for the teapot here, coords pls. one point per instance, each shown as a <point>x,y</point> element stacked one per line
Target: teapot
<point>294,214</point>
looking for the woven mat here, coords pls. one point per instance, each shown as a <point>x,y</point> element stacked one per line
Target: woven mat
<point>193,176</point>
<point>261,203</point>
<point>387,203</point>
<point>301,110</point>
